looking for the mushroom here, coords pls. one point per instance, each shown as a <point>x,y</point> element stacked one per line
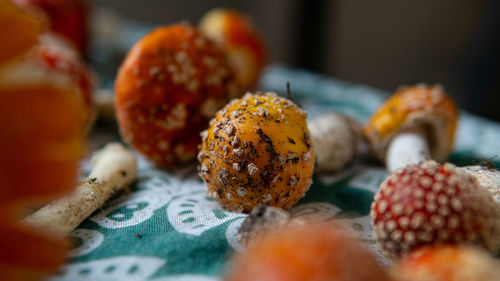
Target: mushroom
<point>245,48</point>
<point>337,139</point>
<point>446,263</point>
<point>312,251</point>
<point>430,203</point>
<point>113,168</point>
<point>54,63</point>
<point>262,219</point>
<point>257,150</point>
<point>414,124</point>
<point>168,87</point>
<point>487,177</point>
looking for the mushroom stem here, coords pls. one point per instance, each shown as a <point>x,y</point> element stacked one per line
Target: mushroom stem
<point>113,167</point>
<point>407,148</point>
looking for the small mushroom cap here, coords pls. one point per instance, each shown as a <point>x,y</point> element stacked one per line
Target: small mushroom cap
<point>170,84</point>
<point>314,251</point>
<point>487,177</point>
<point>447,263</point>
<point>244,46</point>
<point>431,203</point>
<point>337,139</point>
<point>57,54</point>
<point>257,150</point>
<point>421,106</point>
<point>262,219</point>
<point>54,63</point>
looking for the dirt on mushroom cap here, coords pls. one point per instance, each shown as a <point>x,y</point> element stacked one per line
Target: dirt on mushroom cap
<point>257,150</point>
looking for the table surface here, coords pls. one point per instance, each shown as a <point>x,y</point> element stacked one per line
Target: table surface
<point>167,229</point>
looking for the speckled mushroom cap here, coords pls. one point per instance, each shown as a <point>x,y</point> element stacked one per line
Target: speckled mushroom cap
<point>257,150</point>
<point>419,106</point>
<point>171,83</point>
<point>430,203</point>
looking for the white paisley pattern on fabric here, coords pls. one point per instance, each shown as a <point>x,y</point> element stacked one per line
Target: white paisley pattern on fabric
<point>130,268</point>
<point>195,213</point>
<point>91,239</point>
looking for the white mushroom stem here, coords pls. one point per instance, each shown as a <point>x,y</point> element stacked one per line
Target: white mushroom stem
<point>407,148</point>
<point>113,167</point>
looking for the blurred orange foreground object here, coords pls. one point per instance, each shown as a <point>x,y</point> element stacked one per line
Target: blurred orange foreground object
<point>245,48</point>
<point>447,263</point>
<point>305,253</point>
<point>19,31</point>
<point>40,142</point>
<point>27,255</point>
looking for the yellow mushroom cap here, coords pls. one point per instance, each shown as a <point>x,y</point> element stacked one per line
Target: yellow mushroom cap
<point>417,107</point>
<point>257,150</point>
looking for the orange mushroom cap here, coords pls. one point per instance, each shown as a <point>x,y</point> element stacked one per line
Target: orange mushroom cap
<point>447,263</point>
<point>170,84</point>
<point>310,252</point>
<point>421,106</point>
<point>257,150</point>
<point>244,46</point>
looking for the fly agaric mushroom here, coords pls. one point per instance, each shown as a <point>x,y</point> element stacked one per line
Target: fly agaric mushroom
<point>447,263</point>
<point>337,138</point>
<point>431,203</point>
<point>487,177</point>
<point>241,41</point>
<point>314,251</point>
<point>171,83</point>
<point>414,124</point>
<point>54,62</point>
<point>113,168</point>
<point>257,150</point>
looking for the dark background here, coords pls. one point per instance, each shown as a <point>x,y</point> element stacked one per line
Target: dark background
<point>383,43</point>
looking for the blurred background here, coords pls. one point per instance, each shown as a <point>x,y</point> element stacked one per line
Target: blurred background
<point>382,43</point>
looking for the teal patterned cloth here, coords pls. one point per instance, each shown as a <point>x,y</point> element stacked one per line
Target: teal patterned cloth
<point>167,229</point>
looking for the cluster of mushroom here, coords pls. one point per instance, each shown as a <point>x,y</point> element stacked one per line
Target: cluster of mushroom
<point>259,150</point>
<point>432,219</point>
<point>423,202</point>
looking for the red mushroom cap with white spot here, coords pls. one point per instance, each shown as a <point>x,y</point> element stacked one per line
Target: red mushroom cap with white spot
<point>431,203</point>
